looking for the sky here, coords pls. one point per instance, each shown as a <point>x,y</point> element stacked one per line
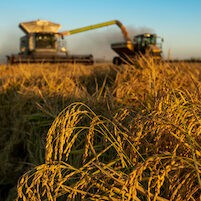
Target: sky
<point>177,21</point>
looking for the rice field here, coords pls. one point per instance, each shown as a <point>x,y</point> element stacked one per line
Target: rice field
<point>101,132</point>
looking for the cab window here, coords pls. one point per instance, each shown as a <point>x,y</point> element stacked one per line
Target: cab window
<point>45,41</point>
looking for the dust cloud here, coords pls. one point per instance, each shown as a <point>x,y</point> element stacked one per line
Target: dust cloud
<point>9,44</point>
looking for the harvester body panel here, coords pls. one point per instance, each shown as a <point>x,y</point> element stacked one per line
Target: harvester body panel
<point>123,48</point>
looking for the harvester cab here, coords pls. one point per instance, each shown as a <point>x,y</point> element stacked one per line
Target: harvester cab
<point>40,38</point>
<point>143,44</point>
<point>147,44</point>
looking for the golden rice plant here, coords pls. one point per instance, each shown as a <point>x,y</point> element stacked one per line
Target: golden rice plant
<point>104,169</point>
<point>31,96</point>
<point>142,85</point>
<point>141,143</point>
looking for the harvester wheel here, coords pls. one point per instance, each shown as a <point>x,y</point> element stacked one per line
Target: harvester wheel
<point>117,61</point>
<point>10,60</point>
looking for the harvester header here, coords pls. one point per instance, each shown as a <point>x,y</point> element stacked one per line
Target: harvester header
<point>39,26</point>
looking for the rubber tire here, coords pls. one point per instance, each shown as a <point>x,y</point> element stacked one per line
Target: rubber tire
<point>117,61</point>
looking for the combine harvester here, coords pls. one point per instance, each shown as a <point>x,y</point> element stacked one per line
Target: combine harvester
<point>143,44</point>
<point>43,43</point>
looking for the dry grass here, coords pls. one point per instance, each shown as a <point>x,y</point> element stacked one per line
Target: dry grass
<point>139,141</point>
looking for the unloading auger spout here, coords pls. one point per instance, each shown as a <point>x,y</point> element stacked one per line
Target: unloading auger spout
<point>123,30</point>
<point>96,26</point>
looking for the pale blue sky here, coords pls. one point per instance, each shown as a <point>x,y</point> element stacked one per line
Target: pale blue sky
<point>178,21</point>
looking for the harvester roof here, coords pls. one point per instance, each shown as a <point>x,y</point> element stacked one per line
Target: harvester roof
<point>43,26</point>
<point>146,35</point>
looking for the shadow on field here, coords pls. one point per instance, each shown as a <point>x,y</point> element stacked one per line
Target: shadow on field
<point>28,108</point>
